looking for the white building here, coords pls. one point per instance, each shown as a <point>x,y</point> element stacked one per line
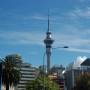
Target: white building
<point>80,66</point>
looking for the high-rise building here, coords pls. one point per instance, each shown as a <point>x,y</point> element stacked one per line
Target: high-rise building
<point>28,73</point>
<point>48,42</point>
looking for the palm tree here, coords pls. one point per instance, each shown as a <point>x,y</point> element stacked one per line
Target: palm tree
<point>0,74</point>
<point>11,72</point>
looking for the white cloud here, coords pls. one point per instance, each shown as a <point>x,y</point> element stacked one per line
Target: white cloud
<point>72,36</point>
<point>82,0</point>
<point>14,37</point>
<point>17,16</point>
<point>73,39</point>
<point>79,50</point>
<point>80,12</point>
<point>75,42</point>
<point>39,17</point>
<point>34,17</point>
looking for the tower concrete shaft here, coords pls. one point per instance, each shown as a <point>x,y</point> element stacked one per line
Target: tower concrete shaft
<point>48,53</point>
<point>48,42</point>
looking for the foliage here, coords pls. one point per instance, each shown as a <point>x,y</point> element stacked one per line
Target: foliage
<point>11,71</point>
<point>42,83</point>
<point>42,70</point>
<point>83,82</point>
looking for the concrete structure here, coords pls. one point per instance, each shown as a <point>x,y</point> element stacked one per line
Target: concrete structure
<point>58,79</point>
<point>48,42</point>
<point>74,70</point>
<point>57,69</point>
<point>28,73</point>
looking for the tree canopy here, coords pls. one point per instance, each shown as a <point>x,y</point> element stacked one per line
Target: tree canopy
<point>83,82</point>
<point>42,82</point>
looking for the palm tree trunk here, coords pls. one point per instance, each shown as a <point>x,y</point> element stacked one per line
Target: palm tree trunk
<point>12,86</point>
<point>0,81</point>
<point>0,76</point>
<point>7,85</point>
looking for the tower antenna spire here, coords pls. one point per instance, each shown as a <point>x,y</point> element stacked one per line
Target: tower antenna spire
<point>48,22</point>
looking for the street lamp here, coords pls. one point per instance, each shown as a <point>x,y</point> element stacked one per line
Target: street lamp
<point>45,72</point>
<point>60,47</point>
<point>45,54</point>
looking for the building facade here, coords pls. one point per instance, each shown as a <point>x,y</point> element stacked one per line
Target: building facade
<point>74,71</point>
<point>28,73</point>
<point>57,75</point>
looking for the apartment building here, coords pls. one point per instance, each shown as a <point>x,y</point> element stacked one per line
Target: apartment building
<point>28,73</point>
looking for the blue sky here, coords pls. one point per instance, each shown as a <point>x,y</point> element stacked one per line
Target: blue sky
<point>23,26</point>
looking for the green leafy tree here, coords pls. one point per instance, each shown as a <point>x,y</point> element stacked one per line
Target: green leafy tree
<point>42,83</point>
<point>42,70</point>
<point>11,70</point>
<point>83,82</point>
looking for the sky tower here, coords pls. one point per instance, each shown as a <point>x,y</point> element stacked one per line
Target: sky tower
<point>48,42</point>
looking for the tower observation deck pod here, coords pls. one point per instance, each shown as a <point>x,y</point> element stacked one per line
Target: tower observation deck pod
<point>48,42</point>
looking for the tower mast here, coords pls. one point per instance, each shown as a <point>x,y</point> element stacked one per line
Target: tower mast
<point>48,42</point>
<point>48,23</point>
